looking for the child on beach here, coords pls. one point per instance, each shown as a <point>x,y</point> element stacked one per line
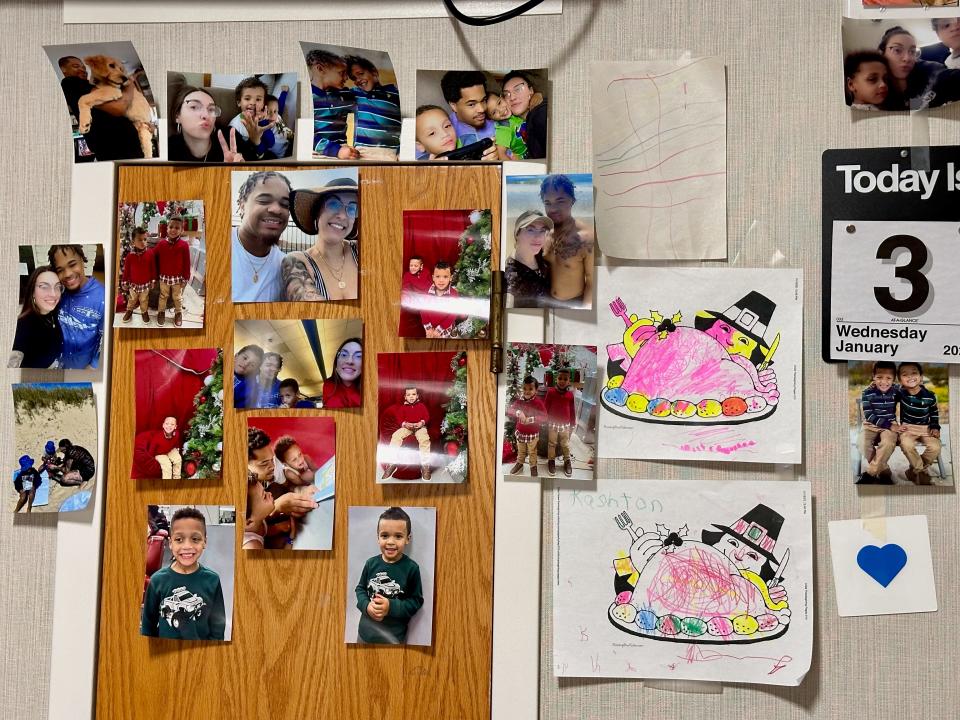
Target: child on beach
<point>880,426</point>
<point>413,417</point>
<point>185,600</point>
<point>436,323</point>
<point>139,275</point>
<point>332,103</point>
<point>529,413</point>
<point>26,483</point>
<point>389,592</point>
<point>919,422</point>
<point>866,76</point>
<point>173,267</point>
<point>562,417</point>
<point>246,368</point>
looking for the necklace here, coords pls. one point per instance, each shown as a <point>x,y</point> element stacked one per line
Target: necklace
<point>338,272</point>
<point>256,270</point>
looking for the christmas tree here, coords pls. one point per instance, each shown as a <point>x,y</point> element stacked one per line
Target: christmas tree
<point>472,269</point>
<point>454,425</point>
<point>203,448</point>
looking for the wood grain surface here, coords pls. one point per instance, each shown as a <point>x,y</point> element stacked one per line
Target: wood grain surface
<point>287,658</point>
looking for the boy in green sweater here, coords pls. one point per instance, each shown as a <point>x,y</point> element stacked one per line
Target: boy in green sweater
<point>389,593</point>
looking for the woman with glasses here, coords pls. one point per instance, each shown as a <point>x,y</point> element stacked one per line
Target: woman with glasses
<point>38,342</point>
<point>343,389</point>
<point>527,273</point>
<point>915,84</point>
<point>196,138</point>
<point>525,102</point>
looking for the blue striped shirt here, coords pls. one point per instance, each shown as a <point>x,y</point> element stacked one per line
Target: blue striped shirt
<point>919,409</point>
<point>330,110</point>
<point>377,117</point>
<point>880,408</point>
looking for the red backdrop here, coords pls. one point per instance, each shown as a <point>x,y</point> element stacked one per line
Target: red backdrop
<point>316,436</point>
<point>163,389</point>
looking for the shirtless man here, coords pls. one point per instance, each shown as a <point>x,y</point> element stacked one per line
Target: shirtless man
<point>570,253</point>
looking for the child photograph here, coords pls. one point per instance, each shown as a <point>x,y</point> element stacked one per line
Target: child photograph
<point>62,306</point>
<point>162,264</point>
<point>356,103</point>
<point>480,115</point>
<point>298,364</point>
<point>189,572</point>
<point>113,115</point>
<point>391,561</point>
<point>551,411</point>
<point>900,423</point>
<point>231,118</point>
<point>550,241</point>
<point>55,446</point>
<point>445,274</point>
<point>291,480</point>
<point>179,396</point>
<point>315,257</point>
<point>422,417</point>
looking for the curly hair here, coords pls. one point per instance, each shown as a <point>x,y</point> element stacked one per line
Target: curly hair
<point>75,249</point>
<point>257,439</point>
<point>394,513</point>
<point>255,179</point>
<point>283,444</point>
<point>189,513</point>
<point>250,82</point>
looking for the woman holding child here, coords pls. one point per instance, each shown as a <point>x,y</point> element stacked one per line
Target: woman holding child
<point>915,84</point>
<point>343,389</point>
<point>195,114</point>
<point>38,342</point>
<point>527,272</point>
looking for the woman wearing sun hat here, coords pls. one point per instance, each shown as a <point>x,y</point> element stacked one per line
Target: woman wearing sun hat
<point>330,269</point>
<point>527,273</point>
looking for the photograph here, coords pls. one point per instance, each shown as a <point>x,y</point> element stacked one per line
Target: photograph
<point>231,118</point>
<point>162,264</point>
<point>551,410</point>
<point>481,115</point>
<point>296,235</point>
<point>422,417</point>
<point>62,304</point>
<point>179,397</point>
<point>901,64</point>
<point>899,423</point>
<point>113,115</point>
<point>356,103</point>
<point>55,443</point>
<point>924,4</point>
<point>189,572</point>
<point>549,248</point>
<point>445,274</point>
<point>298,364</point>
<point>291,481</point>
<point>391,564</point>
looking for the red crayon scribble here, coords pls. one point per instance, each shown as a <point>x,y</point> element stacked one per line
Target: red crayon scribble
<point>696,653</point>
<point>667,181</point>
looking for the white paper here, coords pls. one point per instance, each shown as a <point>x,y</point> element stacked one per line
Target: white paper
<point>637,549</point>
<point>676,388</point>
<point>659,158</point>
<point>911,590</point>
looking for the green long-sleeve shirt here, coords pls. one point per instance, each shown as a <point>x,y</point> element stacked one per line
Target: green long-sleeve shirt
<point>399,582</point>
<point>184,606</point>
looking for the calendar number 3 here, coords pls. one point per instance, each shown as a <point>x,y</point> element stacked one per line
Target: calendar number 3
<point>912,272</point>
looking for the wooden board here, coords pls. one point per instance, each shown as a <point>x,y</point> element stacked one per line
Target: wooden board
<point>287,657</point>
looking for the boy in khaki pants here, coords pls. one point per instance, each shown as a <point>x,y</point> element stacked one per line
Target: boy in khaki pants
<point>173,266</point>
<point>529,412</point>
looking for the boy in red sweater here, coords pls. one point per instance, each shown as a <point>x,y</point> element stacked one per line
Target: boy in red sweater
<point>173,266</point>
<point>562,418</point>
<point>163,446</point>
<point>139,275</point>
<point>413,417</point>
<point>436,323</point>
<point>529,412</point>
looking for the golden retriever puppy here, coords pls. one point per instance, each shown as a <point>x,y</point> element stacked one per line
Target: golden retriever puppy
<point>111,82</point>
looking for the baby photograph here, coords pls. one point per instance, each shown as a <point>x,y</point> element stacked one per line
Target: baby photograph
<point>189,572</point>
<point>445,274</point>
<point>113,115</point>
<point>422,417</point>
<point>298,364</point>
<point>179,396</point>
<point>231,118</point>
<point>549,246</point>
<point>551,411</point>
<point>899,423</point>
<point>62,306</point>
<point>55,447</point>
<point>162,264</point>
<point>356,103</point>
<point>391,561</point>
<point>296,235</point>
<point>291,479</point>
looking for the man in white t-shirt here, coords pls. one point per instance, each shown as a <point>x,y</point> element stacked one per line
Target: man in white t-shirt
<point>264,202</point>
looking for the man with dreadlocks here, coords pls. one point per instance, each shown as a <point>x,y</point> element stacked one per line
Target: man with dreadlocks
<point>263,204</point>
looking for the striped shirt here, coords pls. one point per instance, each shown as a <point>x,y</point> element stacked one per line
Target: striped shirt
<point>330,110</point>
<point>378,117</point>
<point>880,408</point>
<point>919,409</point>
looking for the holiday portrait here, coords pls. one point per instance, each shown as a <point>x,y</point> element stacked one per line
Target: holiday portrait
<point>296,235</point>
<point>445,274</point>
<point>298,364</point>
<point>291,480</point>
<point>55,443</point>
<point>162,264</point>
<point>62,306</point>
<point>179,396</point>
<point>356,103</point>
<point>422,417</point>
<point>189,572</point>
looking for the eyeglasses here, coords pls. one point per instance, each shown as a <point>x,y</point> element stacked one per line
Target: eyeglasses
<point>47,287</point>
<point>517,89</point>
<point>346,355</point>
<point>197,106</point>
<point>536,229</point>
<point>335,205</point>
<point>901,51</point>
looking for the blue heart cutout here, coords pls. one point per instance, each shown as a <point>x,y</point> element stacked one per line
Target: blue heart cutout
<point>883,564</point>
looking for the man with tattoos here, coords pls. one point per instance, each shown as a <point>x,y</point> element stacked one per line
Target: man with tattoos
<point>264,207</point>
<point>570,254</point>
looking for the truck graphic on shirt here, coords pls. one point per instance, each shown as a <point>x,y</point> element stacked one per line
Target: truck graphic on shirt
<point>384,585</point>
<point>181,605</point>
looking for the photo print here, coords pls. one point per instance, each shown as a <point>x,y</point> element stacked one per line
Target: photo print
<point>391,566</point>
<point>231,118</point>
<point>62,306</point>
<point>296,235</point>
<point>549,248</point>
<point>189,572</point>
<point>422,417</point>
<point>480,115</point>
<point>899,423</point>
<point>298,364</point>
<point>113,115</point>
<point>445,282</point>
<point>179,396</point>
<point>291,479</point>
<point>356,103</point>
<point>162,264</point>
<point>55,443</point>
<point>551,410</point>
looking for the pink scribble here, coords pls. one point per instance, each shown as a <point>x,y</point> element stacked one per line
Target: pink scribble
<point>696,653</point>
<point>722,449</point>
<point>696,581</point>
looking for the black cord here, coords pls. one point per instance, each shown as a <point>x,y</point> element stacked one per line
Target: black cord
<point>489,19</point>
